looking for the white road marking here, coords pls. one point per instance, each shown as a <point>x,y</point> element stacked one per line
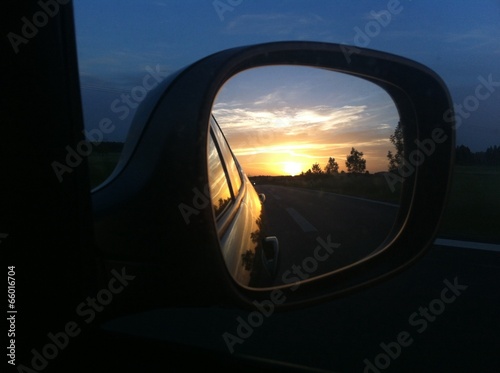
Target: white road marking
<point>301,221</point>
<point>367,200</point>
<point>314,191</point>
<point>467,244</point>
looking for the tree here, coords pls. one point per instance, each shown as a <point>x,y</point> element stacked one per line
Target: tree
<point>396,160</point>
<point>331,167</point>
<point>463,155</point>
<point>316,169</point>
<point>355,162</point>
<point>492,155</point>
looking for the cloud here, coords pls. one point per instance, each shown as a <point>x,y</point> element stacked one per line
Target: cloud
<point>106,74</point>
<point>274,24</point>
<point>308,133</point>
<point>287,120</point>
<point>472,35</point>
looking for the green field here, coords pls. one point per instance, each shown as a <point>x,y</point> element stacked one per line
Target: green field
<point>473,211</point>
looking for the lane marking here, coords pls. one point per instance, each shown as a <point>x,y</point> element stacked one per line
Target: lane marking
<point>314,191</point>
<point>301,221</point>
<point>275,196</point>
<point>467,244</point>
<point>366,200</point>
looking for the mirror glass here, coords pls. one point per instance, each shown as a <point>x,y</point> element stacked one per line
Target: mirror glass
<point>317,147</point>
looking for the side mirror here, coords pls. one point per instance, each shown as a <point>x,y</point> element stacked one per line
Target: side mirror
<point>270,254</point>
<point>157,215</point>
<point>262,197</point>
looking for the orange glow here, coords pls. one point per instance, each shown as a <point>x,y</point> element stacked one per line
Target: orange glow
<point>292,168</point>
<point>272,161</point>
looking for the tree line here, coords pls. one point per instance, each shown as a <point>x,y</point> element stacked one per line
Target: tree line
<point>489,157</point>
<point>463,155</point>
<point>355,164</point>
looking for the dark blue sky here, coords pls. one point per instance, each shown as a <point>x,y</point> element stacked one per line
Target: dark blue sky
<point>460,40</point>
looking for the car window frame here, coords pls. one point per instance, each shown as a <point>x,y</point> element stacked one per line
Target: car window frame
<point>225,218</point>
<point>232,165</point>
<point>226,183</point>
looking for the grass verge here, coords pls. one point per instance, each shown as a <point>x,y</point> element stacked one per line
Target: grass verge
<point>473,211</point>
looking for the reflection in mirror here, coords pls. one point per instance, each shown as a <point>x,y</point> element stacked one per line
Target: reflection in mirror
<point>324,148</point>
<point>219,189</point>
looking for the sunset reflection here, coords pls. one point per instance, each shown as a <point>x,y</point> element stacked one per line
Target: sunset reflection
<point>280,120</point>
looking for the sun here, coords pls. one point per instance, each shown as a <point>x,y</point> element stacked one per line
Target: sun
<point>292,168</point>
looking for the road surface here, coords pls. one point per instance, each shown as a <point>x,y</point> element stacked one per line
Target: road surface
<point>304,219</point>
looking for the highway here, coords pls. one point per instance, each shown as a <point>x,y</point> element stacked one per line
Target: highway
<point>345,228</point>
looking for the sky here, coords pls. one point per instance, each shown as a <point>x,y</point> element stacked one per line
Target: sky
<point>282,119</point>
<point>460,40</point>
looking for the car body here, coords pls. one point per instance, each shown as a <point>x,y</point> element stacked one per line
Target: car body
<point>241,224</point>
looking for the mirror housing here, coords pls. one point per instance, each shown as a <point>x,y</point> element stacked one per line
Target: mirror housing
<point>153,216</point>
<point>270,253</point>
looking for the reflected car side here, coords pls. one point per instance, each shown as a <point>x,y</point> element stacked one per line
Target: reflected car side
<point>250,255</point>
